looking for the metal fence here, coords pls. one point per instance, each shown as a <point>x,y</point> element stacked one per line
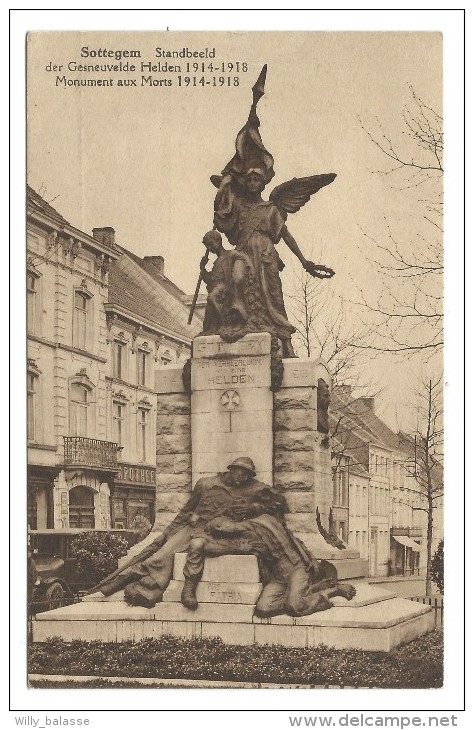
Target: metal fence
<point>436,602</point>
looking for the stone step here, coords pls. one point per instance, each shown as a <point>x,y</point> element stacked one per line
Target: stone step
<point>366,594</point>
<point>223,569</point>
<point>244,593</point>
<point>375,627</point>
<point>167,611</point>
<point>379,613</point>
<point>247,594</point>
<point>347,569</point>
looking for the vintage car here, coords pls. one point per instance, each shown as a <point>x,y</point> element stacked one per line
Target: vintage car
<point>53,579</point>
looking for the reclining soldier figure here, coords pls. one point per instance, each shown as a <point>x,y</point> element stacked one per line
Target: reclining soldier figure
<point>232,513</point>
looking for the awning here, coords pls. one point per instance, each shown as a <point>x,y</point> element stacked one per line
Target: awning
<point>408,542</point>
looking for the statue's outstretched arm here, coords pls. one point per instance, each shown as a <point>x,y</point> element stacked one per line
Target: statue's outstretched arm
<point>292,245</point>
<point>318,270</point>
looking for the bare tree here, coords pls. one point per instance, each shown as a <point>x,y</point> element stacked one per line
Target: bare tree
<point>407,308</point>
<point>420,159</point>
<point>324,329</point>
<point>424,463</point>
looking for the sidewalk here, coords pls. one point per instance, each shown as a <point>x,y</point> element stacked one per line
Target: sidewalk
<point>405,586</point>
<point>35,680</point>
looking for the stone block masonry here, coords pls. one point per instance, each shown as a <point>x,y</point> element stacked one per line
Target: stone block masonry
<point>301,455</point>
<point>173,447</point>
<point>232,412</point>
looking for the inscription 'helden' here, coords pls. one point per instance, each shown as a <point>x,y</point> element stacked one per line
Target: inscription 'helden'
<point>243,371</point>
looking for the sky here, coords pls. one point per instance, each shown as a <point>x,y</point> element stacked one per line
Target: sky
<point>139,158</point>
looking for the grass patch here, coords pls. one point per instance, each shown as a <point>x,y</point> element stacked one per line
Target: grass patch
<point>418,664</point>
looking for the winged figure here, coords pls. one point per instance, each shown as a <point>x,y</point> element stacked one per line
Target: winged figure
<point>255,226</point>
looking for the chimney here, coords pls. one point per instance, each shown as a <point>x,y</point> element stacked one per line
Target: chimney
<point>104,235</point>
<point>157,261</point>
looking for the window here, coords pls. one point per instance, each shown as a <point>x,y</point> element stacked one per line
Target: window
<point>31,403</point>
<point>142,433</point>
<point>119,513</point>
<point>78,410</point>
<point>166,358</point>
<point>341,528</point>
<point>335,485</point>
<point>142,369</point>
<point>32,302</point>
<point>340,488</point>
<point>79,332</point>
<point>118,418</point>
<point>81,507</point>
<point>119,359</point>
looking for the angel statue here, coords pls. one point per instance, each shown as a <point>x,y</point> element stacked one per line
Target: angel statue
<point>254,226</point>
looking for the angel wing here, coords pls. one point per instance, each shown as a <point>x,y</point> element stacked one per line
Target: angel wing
<point>290,196</point>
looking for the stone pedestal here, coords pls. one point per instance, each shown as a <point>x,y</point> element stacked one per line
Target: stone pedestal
<point>231,405</point>
<point>302,461</point>
<point>233,412</point>
<point>375,620</point>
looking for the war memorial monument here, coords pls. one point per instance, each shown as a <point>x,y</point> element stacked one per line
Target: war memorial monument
<point>241,546</point>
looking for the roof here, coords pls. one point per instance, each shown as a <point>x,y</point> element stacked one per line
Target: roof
<point>125,292</point>
<point>355,424</point>
<point>155,273</point>
<point>135,285</point>
<point>37,202</point>
<point>382,433</point>
<point>361,427</point>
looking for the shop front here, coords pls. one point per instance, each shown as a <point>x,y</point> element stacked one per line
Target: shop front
<point>133,497</point>
<point>404,555</point>
<point>40,496</point>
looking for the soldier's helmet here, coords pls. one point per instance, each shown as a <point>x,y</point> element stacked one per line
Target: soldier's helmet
<point>245,463</point>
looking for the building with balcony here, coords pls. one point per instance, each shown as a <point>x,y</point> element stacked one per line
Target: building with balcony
<point>71,463</point>
<point>101,321</point>
<point>147,331</point>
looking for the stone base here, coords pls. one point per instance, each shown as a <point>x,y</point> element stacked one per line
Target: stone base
<point>375,619</point>
<point>371,626</point>
<point>348,563</point>
<point>349,569</point>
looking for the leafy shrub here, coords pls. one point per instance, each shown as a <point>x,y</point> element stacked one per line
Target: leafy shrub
<point>437,567</point>
<point>418,664</point>
<point>97,555</point>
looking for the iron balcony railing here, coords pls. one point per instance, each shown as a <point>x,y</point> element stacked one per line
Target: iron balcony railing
<point>90,452</point>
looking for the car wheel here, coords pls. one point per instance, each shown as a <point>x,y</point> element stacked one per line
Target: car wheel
<point>54,596</point>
